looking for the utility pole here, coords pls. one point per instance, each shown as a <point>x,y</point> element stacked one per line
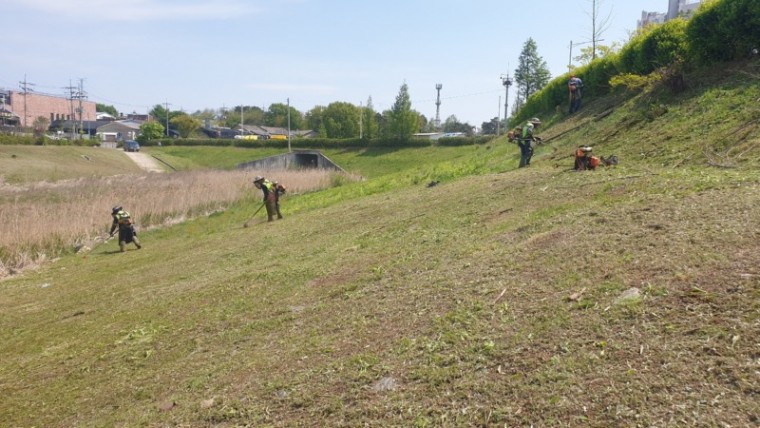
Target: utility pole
<point>166,107</point>
<point>80,96</point>
<point>72,115</point>
<point>498,122</point>
<point>288,125</point>
<point>438,88</point>
<point>507,82</point>
<point>25,87</point>
<point>361,115</point>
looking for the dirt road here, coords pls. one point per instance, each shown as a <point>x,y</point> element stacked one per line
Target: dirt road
<point>145,161</point>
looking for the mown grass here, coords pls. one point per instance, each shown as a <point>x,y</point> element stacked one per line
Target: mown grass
<point>26,164</point>
<point>490,299</point>
<point>306,319</point>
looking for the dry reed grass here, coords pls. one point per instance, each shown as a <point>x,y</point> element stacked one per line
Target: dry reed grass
<point>38,221</point>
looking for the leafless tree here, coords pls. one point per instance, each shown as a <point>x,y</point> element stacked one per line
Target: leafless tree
<point>598,25</point>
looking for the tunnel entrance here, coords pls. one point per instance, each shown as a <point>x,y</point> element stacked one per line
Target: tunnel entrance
<point>298,159</point>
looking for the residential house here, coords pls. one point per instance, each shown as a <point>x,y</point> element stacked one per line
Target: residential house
<point>120,130</point>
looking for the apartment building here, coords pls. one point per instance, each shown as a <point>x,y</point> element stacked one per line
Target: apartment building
<point>676,8</point>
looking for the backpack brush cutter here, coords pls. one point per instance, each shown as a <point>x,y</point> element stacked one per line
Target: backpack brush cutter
<point>254,215</point>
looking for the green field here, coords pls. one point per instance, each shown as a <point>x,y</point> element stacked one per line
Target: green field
<point>626,296</point>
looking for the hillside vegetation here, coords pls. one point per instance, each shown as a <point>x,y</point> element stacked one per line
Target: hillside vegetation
<point>626,296</point>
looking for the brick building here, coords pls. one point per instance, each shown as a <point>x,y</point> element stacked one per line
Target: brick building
<point>30,105</point>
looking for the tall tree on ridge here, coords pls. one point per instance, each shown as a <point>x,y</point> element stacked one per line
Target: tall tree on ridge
<point>531,73</point>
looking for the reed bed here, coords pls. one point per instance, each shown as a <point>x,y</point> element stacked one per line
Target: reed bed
<point>42,220</point>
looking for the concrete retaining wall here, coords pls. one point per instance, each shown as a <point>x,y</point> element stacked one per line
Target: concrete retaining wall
<point>299,159</point>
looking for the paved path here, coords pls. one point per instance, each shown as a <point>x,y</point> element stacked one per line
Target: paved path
<point>144,161</point>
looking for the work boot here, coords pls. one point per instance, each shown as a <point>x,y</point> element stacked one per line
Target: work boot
<point>122,246</point>
<point>270,218</point>
<point>137,243</point>
<point>279,216</point>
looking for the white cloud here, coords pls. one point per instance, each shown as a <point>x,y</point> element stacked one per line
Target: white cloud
<point>141,10</point>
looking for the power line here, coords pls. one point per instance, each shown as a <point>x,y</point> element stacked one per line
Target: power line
<point>106,100</point>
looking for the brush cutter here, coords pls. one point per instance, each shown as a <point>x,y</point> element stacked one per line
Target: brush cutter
<point>94,243</point>
<point>254,215</point>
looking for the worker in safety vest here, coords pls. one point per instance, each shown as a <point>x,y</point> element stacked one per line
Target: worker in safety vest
<point>127,233</point>
<point>271,197</point>
<point>528,141</point>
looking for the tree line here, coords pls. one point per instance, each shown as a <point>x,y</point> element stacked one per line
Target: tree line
<point>337,120</point>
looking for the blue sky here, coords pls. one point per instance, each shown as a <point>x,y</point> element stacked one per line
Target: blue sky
<point>197,54</point>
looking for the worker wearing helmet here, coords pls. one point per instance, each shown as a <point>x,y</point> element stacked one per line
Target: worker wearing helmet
<point>528,141</point>
<point>575,87</point>
<point>127,232</point>
<point>270,197</point>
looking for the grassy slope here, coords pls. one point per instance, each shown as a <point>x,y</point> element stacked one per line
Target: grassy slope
<point>486,300</point>
<point>20,164</point>
<point>369,163</point>
<point>184,158</point>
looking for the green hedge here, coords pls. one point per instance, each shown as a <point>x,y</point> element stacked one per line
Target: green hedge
<point>10,140</point>
<point>301,143</point>
<point>30,140</point>
<point>655,47</point>
<point>323,143</point>
<point>596,77</point>
<point>725,30</point>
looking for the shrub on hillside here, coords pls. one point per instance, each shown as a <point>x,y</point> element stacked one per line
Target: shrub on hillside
<point>633,82</point>
<point>653,48</point>
<point>724,30</point>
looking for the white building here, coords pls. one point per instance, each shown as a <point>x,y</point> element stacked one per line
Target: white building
<point>648,18</point>
<point>679,7</point>
<point>676,8</point>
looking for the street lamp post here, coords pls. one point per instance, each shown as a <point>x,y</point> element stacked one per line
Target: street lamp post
<point>507,82</point>
<point>289,125</point>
